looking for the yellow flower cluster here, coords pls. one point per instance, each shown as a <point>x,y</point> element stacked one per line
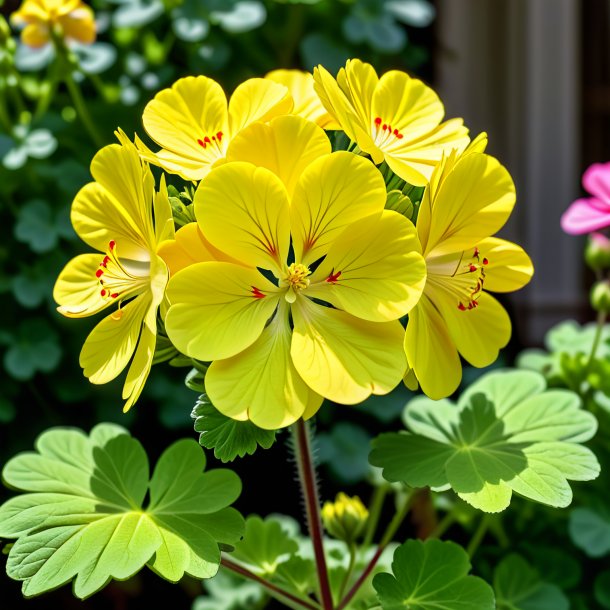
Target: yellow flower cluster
<point>296,282</point>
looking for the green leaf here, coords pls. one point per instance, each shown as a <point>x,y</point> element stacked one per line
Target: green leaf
<point>227,591</point>
<point>432,575</point>
<point>399,203</point>
<point>601,589</point>
<point>265,545</point>
<point>518,587</point>
<point>344,451</point>
<point>506,434</point>
<point>84,520</point>
<point>590,531</point>
<point>228,437</point>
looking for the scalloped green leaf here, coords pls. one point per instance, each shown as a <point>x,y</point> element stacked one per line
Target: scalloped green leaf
<point>228,437</point>
<point>432,575</point>
<point>590,531</point>
<point>506,434</point>
<point>519,587</point>
<point>265,545</point>
<point>83,518</point>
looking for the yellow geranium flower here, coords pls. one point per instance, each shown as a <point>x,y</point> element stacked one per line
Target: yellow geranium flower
<point>314,237</point>
<point>469,198</point>
<point>307,104</point>
<point>121,217</point>
<point>69,19</point>
<point>394,118</point>
<point>193,123</point>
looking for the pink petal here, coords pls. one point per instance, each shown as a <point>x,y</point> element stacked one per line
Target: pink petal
<point>586,215</point>
<point>596,181</point>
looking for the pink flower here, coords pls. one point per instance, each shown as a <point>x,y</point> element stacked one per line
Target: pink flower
<point>593,213</point>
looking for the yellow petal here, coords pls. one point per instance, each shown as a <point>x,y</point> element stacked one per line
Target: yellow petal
<point>344,358</point>
<point>190,247</point>
<point>415,161</point>
<point>358,81</point>
<point>164,219</point>
<point>333,192</point>
<point>431,353</point>
<point>285,146</point>
<point>79,25</point>
<point>373,270</point>
<point>472,203</point>
<point>243,211</point>
<point>77,290</point>
<point>307,104</point>
<point>142,361</point>
<point>509,267</point>
<point>257,99</point>
<point>35,35</point>
<point>181,117</point>
<point>111,344</point>
<point>261,383</point>
<point>217,309</point>
<point>478,333</point>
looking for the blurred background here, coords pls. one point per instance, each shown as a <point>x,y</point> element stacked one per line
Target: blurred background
<point>534,74</point>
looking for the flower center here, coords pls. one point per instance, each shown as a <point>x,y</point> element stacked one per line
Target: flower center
<point>384,133</point>
<point>118,278</point>
<point>463,276</point>
<point>295,280</point>
<point>212,144</point>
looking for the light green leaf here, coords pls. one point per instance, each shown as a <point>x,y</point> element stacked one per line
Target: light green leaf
<point>432,575</point>
<point>84,520</point>
<point>228,437</point>
<point>518,587</point>
<point>229,592</point>
<point>506,434</point>
<point>265,545</point>
<point>590,531</point>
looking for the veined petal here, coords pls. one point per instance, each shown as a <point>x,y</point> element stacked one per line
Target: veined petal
<point>358,81</point>
<point>341,108</point>
<point>261,383</point>
<point>243,211</point>
<point>333,192</point>
<point>111,344</point>
<point>119,170</point>
<point>142,361</point>
<point>472,203</point>
<point>307,104</point>
<point>286,146</point>
<point>431,352</point>
<point>77,289</point>
<point>257,99</point>
<point>373,270</point>
<point>509,267</point>
<point>179,119</point>
<point>190,247</point>
<point>164,219</point>
<point>218,309</point>
<point>35,35</point>
<point>98,219</point>
<point>405,104</point>
<point>344,358</point>
<point>478,333</point>
<point>415,160</point>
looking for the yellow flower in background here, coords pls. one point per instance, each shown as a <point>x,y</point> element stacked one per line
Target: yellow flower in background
<point>193,124</point>
<point>307,104</point>
<point>394,118</point>
<point>470,197</point>
<point>315,231</point>
<point>69,19</point>
<point>122,217</point>
<point>345,518</point>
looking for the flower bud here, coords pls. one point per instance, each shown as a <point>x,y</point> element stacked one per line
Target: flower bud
<point>597,252</point>
<point>345,518</point>
<point>600,296</point>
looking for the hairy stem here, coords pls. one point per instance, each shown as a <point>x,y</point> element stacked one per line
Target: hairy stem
<point>307,477</point>
<point>273,589</point>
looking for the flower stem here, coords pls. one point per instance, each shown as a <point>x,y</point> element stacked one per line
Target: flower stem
<point>375,507</point>
<point>272,588</point>
<point>478,536</point>
<point>601,320</point>
<point>444,524</point>
<point>388,535</point>
<point>81,108</point>
<point>307,477</point>
<point>350,569</point>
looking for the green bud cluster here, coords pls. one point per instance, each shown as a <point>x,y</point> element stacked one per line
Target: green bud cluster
<point>345,518</point>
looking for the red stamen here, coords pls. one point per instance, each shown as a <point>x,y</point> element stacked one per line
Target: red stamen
<point>257,293</point>
<point>461,307</point>
<point>333,277</point>
<point>112,244</point>
<point>201,143</point>
<point>103,292</point>
<point>384,127</point>
<point>472,268</point>
<point>114,296</point>
<point>476,253</point>
<point>485,261</point>
<point>105,261</point>
<point>219,135</point>
<point>378,121</point>
<point>207,140</point>
<point>99,273</point>
<point>399,136</point>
